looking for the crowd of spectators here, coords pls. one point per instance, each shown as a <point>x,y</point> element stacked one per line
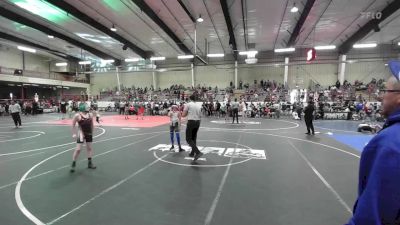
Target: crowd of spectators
<point>28,107</point>
<point>268,99</point>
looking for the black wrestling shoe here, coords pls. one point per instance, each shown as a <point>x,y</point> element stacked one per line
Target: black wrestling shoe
<point>72,167</point>
<point>172,148</point>
<point>91,166</point>
<point>197,156</point>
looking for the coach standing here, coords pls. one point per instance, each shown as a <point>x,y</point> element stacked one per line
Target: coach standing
<point>193,113</point>
<point>308,117</point>
<point>378,199</point>
<point>15,110</point>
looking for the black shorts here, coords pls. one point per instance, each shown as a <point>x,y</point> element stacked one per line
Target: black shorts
<point>174,127</point>
<point>82,137</point>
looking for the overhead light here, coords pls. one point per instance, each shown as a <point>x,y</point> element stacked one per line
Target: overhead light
<point>132,60</point>
<point>278,50</point>
<point>249,53</point>
<point>113,28</point>
<point>200,20</point>
<point>35,85</point>
<point>162,70</point>
<point>398,44</point>
<point>325,47</point>
<point>85,62</point>
<point>26,49</point>
<point>50,36</point>
<point>294,8</point>
<point>157,58</point>
<point>185,56</point>
<point>66,87</point>
<point>371,45</point>
<point>251,61</point>
<point>62,64</point>
<point>216,55</point>
<point>107,61</point>
<point>386,64</point>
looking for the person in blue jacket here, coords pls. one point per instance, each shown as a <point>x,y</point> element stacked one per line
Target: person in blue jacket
<point>378,201</point>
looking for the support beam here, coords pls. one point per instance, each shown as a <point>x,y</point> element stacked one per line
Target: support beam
<point>187,11</point>
<point>342,68</point>
<point>286,74</point>
<point>118,81</point>
<point>21,41</point>
<point>154,80</point>
<point>232,40</point>
<point>192,75</point>
<point>236,75</point>
<point>70,9</point>
<point>150,13</point>
<point>295,34</point>
<point>389,10</point>
<point>244,22</point>
<point>30,23</point>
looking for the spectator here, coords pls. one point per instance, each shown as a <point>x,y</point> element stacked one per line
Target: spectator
<point>378,199</point>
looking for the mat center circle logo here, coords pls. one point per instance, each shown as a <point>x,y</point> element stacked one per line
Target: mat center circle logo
<point>216,154</point>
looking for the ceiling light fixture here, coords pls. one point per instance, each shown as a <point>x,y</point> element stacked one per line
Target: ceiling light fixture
<point>113,28</point>
<point>84,62</point>
<point>325,47</point>
<point>248,53</point>
<point>294,9</point>
<point>200,20</point>
<point>251,61</point>
<point>279,50</point>
<point>157,58</point>
<point>371,45</point>
<point>132,60</point>
<point>61,64</point>
<point>216,55</point>
<point>50,36</point>
<point>107,60</point>
<point>185,56</point>
<point>26,49</point>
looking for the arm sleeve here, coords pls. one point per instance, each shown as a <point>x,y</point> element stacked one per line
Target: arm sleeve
<point>379,203</point>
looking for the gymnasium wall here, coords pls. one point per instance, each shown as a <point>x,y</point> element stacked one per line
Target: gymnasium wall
<point>13,58</point>
<point>365,71</point>
<point>214,75</point>
<point>361,65</point>
<point>10,58</point>
<point>36,63</point>
<point>299,75</point>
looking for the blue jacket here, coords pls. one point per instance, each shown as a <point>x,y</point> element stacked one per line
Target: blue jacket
<point>378,200</point>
